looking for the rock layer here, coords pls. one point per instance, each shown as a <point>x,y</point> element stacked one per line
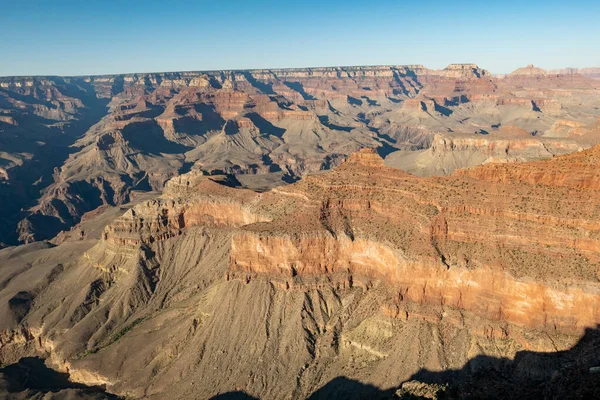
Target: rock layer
<point>363,271</point>
<point>277,123</point>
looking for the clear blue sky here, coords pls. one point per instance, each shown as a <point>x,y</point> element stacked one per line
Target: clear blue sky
<point>101,37</point>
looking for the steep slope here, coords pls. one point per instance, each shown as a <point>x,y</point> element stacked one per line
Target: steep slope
<point>39,119</point>
<point>278,124</point>
<point>365,272</point>
<point>449,153</point>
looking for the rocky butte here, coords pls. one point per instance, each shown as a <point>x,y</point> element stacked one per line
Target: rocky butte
<point>70,145</point>
<point>365,272</point>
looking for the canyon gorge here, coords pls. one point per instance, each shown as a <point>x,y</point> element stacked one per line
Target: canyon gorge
<point>339,232</point>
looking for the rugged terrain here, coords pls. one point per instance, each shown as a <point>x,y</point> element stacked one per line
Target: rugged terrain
<point>360,281</point>
<point>71,145</point>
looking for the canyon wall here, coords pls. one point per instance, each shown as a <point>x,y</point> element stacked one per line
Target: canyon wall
<point>363,271</point>
<point>85,142</point>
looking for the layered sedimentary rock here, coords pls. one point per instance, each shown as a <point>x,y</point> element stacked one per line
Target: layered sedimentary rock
<point>365,271</point>
<point>451,152</point>
<point>279,124</point>
<point>39,119</point>
<point>450,241</point>
<point>205,203</point>
<point>532,70</point>
<point>464,241</point>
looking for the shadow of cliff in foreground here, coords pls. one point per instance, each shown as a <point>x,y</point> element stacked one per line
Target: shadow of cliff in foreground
<point>350,389</point>
<point>531,375</point>
<point>233,396</point>
<point>31,378</point>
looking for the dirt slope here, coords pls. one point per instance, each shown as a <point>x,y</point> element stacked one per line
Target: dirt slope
<point>363,272</point>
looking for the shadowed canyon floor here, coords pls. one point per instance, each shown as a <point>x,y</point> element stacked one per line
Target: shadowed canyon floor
<point>363,280</point>
<point>70,145</point>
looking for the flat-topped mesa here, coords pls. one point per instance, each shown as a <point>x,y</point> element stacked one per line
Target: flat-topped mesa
<point>528,70</point>
<point>366,157</point>
<point>463,71</point>
<point>189,200</point>
<point>515,144</point>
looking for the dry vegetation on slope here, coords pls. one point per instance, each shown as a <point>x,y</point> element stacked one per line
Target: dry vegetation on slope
<point>365,272</point>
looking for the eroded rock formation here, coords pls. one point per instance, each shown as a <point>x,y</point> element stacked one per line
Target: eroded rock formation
<point>125,133</point>
<point>364,271</point>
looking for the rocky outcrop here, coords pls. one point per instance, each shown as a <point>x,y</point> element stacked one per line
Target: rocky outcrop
<point>574,171</point>
<point>372,223</point>
<point>463,71</point>
<point>449,153</point>
<point>189,200</point>
<point>277,123</point>
<point>346,271</point>
<point>529,70</point>
<point>519,149</point>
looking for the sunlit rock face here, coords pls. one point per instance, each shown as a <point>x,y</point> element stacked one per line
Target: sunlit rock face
<point>491,240</point>
<point>507,242</point>
<point>73,144</point>
<point>345,272</point>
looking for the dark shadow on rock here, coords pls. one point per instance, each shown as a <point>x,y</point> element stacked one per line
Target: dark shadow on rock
<point>227,180</point>
<point>568,374</point>
<point>445,111</point>
<point>369,101</point>
<point>354,101</point>
<point>263,87</point>
<point>149,138</point>
<point>383,136</point>
<point>324,120</point>
<point>456,101</point>
<point>20,304</point>
<point>234,396</point>
<point>385,150</point>
<point>297,86</point>
<point>266,160</point>
<point>209,115</point>
<point>85,196</point>
<point>31,99</point>
<point>231,127</point>
<point>290,178</point>
<point>531,375</point>
<point>32,374</point>
<point>118,85</point>
<point>44,226</point>
<point>265,126</point>
<point>350,389</point>
<point>193,126</point>
<point>211,121</point>
<point>185,167</point>
<point>27,182</point>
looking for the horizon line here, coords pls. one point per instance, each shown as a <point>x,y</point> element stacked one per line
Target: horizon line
<point>274,69</point>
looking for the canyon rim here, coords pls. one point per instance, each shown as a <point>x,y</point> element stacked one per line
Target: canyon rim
<point>405,206</point>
